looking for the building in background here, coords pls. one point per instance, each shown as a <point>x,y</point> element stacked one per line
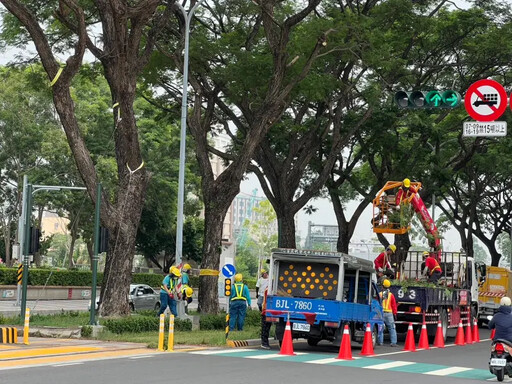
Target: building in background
<point>52,224</point>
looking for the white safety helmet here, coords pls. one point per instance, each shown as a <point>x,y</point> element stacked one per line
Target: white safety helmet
<point>506,301</point>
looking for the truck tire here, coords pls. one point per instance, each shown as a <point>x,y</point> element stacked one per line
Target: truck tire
<point>375,335</point>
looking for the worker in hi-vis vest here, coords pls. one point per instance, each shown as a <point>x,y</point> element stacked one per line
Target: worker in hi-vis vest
<point>389,310</point>
<point>168,293</point>
<point>239,300</point>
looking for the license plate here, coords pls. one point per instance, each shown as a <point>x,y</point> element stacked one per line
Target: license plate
<point>301,327</point>
<point>499,362</point>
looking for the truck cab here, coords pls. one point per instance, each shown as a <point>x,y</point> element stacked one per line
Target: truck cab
<point>319,292</point>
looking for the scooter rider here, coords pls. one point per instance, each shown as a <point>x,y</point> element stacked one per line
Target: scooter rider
<point>502,321</point>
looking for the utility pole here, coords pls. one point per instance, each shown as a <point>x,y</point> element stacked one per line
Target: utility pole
<point>92,319</point>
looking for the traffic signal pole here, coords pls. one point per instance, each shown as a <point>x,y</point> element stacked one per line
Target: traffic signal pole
<point>26,240</point>
<point>92,319</point>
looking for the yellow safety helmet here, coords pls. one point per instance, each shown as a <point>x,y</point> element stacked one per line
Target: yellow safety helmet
<point>391,247</point>
<point>189,292</point>
<point>187,267</point>
<point>238,277</point>
<point>426,253</point>
<point>406,183</point>
<point>175,271</point>
<point>386,283</point>
<point>263,271</point>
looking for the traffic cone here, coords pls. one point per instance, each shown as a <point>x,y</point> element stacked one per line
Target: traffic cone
<point>409,340</point>
<point>367,349</point>
<point>459,338</point>
<point>476,333</point>
<point>423,343</point>
<point>469,334</point>
<point>439,340</point>
<point>345,347</point>
<point>493,332</point>
<point>287,344</point>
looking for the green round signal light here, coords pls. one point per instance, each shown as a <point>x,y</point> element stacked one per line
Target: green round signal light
<point>434,99</point>
<point>451,99</point>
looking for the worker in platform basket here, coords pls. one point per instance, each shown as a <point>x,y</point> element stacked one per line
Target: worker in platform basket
<point>239,300</point>
<point>432,268</point>
<point>382,263</point>
<point>390,310</point>
<point>405,191</point>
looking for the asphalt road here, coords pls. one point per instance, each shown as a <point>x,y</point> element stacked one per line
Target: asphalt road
<point>453,364</point>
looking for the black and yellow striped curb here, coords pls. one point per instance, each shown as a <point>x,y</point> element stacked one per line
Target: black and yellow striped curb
<point>8,335</point>
<point>246,343</point>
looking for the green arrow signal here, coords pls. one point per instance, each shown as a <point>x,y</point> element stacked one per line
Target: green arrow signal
<point>451,98</point>
<point>434,98</point>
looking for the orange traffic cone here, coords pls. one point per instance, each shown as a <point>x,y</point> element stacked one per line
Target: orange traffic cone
<point>367,349</point>
<point>476,333</point>
<point>345,347</point>
<point>287,344</point>
<point>469,334</point>
<point>439,340</point>
<point>493,332</point>
<point>423,343</point>
<point>459,338</point>
<point>409,340</point>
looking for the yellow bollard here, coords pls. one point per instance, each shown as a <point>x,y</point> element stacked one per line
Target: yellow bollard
<point>170,339</point>
<point>26,326</point>
<point>161,333</point>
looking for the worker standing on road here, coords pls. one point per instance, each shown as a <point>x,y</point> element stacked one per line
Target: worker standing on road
<point>239,300</point>
<point>265,325</point>
<point>168,293</point>
<point>432,269</point>
<point>261,287</point>
<point>502,320</point>
<point>389,309</point>
<point>382,263</point>
<point>405,192</point>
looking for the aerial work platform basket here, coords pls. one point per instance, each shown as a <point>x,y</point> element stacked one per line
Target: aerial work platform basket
<point>387,218</point>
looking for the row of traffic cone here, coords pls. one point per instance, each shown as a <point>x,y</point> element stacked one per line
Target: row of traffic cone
<point>345,353</point>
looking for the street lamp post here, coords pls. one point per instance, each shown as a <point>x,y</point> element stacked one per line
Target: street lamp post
<point>183,134</point>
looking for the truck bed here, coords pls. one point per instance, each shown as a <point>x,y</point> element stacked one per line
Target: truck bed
<point>426,297</point>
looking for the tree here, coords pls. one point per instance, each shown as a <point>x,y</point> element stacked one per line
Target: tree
<point>128,36</point>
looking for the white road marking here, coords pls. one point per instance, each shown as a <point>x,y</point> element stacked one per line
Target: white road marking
<point>65,364</point>
<point>447,371</point>
<point>393,364</point>
<point>218,351</point>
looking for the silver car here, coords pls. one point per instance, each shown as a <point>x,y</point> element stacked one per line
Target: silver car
<point>141,296</point>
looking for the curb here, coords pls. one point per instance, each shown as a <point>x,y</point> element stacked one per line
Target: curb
<point>247,343</point>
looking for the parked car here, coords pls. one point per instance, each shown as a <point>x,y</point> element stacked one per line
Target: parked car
<point>141,296</point>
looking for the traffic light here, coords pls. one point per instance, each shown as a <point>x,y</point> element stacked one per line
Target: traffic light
<point>35,240</point>
<point>428,99</point>
<point>103,240</point>
<point>227,287</point>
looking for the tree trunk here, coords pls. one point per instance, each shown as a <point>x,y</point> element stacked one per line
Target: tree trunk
<point>208,287</point>
<point>7,241</point>
<point>121,245</point>
<point>71,263</point>
<point>286,229</point>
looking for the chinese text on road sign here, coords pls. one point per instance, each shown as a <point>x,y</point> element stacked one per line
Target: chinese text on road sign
<point>493,128</point>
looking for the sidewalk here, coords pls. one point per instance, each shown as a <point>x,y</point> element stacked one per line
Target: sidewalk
<point>44,307</point>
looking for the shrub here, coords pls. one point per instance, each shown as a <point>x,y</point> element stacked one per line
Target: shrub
<point>137,324</point>
<point>253,318</point>
<point>212,322</point>
<point>86,331</point>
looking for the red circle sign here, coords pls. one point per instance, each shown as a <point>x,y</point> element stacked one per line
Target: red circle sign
<point>485,100</point>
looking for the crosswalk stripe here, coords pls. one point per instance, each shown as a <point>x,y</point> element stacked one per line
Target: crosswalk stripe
<point>323,361</point>
<point>393,364</point>
<point>448,371</point>
<point>219,351</point>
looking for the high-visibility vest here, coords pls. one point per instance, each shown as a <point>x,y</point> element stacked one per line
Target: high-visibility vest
<point>436,268</point>
<point>170,286</point>
<point>386,303</point>
<point>239,289</point>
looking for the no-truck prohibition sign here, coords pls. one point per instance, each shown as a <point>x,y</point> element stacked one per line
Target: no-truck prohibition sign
<point>485,100</point>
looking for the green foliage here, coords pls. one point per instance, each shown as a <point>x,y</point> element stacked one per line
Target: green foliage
<point>86,331</point>
<point>211,322</point>
<point>139,323</point>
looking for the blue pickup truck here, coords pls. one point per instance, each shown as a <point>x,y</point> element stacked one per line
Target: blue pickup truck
<point>319,292</point>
